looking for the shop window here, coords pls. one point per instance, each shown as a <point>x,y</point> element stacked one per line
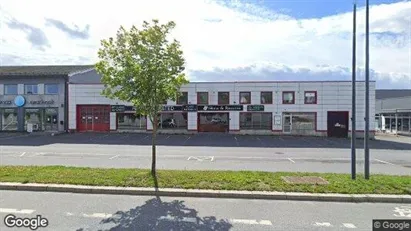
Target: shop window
<point>51,89</point>
<point>310,97</point>
<point>10,89</point>
<point>288,97</point>
<point>176,120</point>
<point>213,122</point>
<point>8,119</point>
<point>31,89</point>
<point>182,98</point>
<point>256,120</point>
<point>245,97</point>
<point>223,97</point>
<point>266,97</point>
<point>303,123</point>
<point>34,116</point>
<point>202,97</point>
<point>131,121</point>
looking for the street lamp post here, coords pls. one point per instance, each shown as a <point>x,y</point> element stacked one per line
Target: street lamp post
<point>367,94</point>
<point>353,111</point>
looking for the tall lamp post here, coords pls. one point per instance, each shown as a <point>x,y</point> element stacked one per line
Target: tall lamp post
<point>353,111</point>
<point>367,93</point>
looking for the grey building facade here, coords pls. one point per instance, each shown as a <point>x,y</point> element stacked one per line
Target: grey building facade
<point>34,97</point>
<point>393,111</point>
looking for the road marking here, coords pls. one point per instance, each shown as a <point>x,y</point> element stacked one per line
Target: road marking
<point>98,215</point>
<point>403,211</point>
<point>250,222</point>
<point>384,162</point>
<point>236,141</point>
<point>185,141</point>
<point>22,154</point>
<point>349,225</point>
<point>23,211</point>
<point>185,219</point>
<point>212,158</point>
<point>326,224</point>
<point>201,158</point>
<point>69,214</point>
<point>167,137</point>
<point>114,157</point>
<point>291,160</point>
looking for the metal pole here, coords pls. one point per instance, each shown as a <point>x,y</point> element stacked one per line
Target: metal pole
<point>353,112</point>
<point>367,93</point>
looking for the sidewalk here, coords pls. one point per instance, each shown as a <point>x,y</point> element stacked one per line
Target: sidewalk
<point>374,198</point>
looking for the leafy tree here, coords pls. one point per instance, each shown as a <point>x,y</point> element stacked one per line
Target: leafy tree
<point>143,67</point>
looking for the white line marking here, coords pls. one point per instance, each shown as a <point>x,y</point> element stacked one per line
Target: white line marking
<point>167,137</point>
<point>23,211</point>
<point>114,157</point>
<point>349,225</point>
<point>251,222</point>
<point>189,158</point>
<point>98,215</point>
<point>22,154</point>
<point>184,219</point>
<point>69,214</point>
<point>291,160</point>
<point>326,224</point>
<point>384,162</point>
<point>212,158</point>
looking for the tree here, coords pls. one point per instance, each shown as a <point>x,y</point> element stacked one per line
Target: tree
<point>143,67</point>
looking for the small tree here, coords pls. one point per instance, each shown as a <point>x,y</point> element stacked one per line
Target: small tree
<point>143,67</point>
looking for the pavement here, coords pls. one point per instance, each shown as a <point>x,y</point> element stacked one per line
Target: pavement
<point>389,154</point>
<point>68,211</point>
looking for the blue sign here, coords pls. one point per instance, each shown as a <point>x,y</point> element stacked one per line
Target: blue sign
<point>19,101</point>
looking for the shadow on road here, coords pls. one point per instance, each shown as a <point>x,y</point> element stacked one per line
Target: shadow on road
<point>200,140</point>
<point>156,214</point>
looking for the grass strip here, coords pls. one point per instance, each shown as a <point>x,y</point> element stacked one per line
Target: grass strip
<point>215,180</point>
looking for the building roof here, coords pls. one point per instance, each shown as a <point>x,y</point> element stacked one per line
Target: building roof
<point>391,93</point>
<point>46,70</point>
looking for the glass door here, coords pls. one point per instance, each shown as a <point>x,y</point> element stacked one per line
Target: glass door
<point>51,119</point>
<point>287,124</point>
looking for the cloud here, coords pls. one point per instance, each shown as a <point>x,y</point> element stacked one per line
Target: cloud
<point>73,33</point>
<point>35,35</point>
<point>223,37</point>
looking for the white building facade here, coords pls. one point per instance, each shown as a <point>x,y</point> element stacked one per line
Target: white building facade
<point>312,108</point>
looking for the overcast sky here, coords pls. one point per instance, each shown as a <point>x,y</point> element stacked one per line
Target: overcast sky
<point>222,40</point>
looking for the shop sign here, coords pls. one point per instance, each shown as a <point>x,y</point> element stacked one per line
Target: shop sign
<point>118,108</point>
<point>5,102</point>
<point>255,107</point>
<point>190,107</point>
<point>41,102</point>
<point>221,108</point>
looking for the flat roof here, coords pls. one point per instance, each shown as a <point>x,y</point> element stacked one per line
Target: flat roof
<point>41,70</point>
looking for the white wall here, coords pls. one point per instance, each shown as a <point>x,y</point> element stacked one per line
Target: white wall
<point>331,96</point>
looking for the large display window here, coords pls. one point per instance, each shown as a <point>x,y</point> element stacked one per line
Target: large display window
<point>175,120</point>
<point>42,119</point>
<point>8,119</point>
<point>256,121</point>
<point>131,121</point>
<point>213,122</point>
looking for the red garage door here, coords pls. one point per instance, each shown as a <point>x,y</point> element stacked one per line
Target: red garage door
<point>93,118</point>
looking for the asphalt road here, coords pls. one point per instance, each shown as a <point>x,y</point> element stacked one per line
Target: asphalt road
<point>65,211</point>
<point>389,155</point>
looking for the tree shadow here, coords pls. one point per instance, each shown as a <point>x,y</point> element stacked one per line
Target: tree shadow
<point>156,214</point>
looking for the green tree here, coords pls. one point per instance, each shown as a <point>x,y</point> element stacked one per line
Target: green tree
<point>144,67</point>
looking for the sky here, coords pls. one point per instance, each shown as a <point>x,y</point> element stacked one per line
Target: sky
<point>222,40</point>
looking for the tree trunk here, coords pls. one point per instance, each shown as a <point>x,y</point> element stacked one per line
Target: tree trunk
<point>153,147</point>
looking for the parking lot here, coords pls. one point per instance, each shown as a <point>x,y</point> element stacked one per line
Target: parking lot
<point>201,139</point>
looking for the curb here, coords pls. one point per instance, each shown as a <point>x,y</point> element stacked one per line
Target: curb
<point>373,198</point>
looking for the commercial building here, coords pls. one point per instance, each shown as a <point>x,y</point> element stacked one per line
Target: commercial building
<point>393,111</point>
<point>316,108</point>
<point>34,97</point>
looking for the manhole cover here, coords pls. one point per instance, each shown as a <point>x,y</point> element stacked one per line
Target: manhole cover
<point>279,153</point>
<point>304,180</point>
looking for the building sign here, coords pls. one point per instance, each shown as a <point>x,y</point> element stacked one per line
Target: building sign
<point>41,102</point>
<point>190,107</point>
<point>5,102</point>
<point>220,107</point>
<point>277,120</point>
<point>255,107</point>
<point>118,108</point>
<point>19,101</point>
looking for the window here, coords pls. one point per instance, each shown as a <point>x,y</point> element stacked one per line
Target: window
<point>288,97</point>
<point>131,121</point>
<point>310,97</point>
<point>182,98</point>
<point>177,120</point>
<point>223,97</point>
<point>266,97</point>
<point>10,89</point>
<point>245,97</point>
<point>202,97</point>
<point>256,121</point>
<point>31,89</point>
<point>51,89</point>
<point>303,123</point>
<point>8,119</point>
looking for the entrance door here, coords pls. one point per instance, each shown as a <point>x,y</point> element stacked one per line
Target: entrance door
<point>287,124</point>
<point>93,118</point>
<point>337,124</point>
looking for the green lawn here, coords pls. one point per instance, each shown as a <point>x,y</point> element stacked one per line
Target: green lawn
<point>217,180</point>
